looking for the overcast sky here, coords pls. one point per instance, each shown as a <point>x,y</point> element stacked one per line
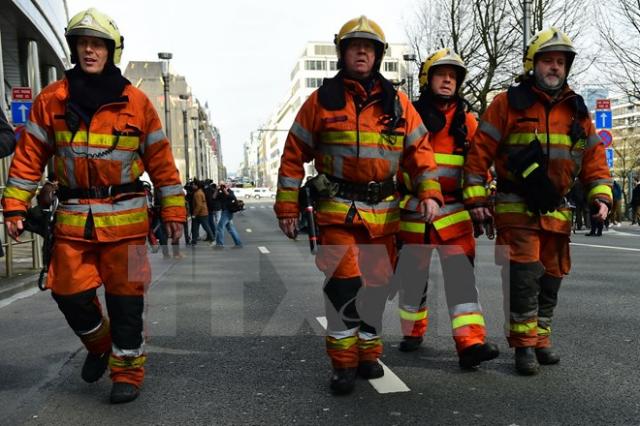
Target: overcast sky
<point>238,54</point>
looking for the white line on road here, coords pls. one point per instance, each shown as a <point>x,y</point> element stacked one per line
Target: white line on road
<point>389,383</point>
<point>249,230</point>
<point>607,247</point>
<point>19,296</point>
<point>263,250</point>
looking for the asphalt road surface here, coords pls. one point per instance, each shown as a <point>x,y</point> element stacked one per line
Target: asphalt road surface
<point>235,337</point>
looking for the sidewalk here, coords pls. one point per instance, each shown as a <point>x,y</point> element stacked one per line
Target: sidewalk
<point>24,276</point>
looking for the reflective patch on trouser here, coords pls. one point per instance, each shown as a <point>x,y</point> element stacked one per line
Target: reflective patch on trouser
<point>414,321</point>
<point>98,341</point>
<point>127,368</point>
<point>522,290</point>
<point>547,301</point>
<point>343,351</point>
<point>468,328</point>
<point>369,346</point>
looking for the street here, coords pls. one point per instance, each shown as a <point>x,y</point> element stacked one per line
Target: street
<point>235,337</point>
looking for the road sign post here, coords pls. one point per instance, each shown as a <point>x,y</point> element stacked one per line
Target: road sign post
<point>609,152</point>
<point>21,104</point>
<point>606,137</point>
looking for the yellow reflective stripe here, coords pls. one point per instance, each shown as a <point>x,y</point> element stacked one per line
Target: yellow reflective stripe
<point>414,227</point>
<point>341,344</point>
<point>527,138</point>
<point>99,139</point>
<point>428,185</point>
<point>287,196</point>
<point>474,191</point>
<point>563,215</point>
<point>135,170</point>
<point>600,189</point>
<point>18,194</point>
<point>405,200</point>
<point>407,181</point>
<point>380,218</point>
<point>369,344</point>
<point>461,321</point>
<point>544,331</point>
<point>120,219</point>
<point>452,219</point>
<point>172,201</point>
<point>413,316</point>
<point>523,328</point>
<point>349,137</point>
<point>136,362</point>
<point>332,207</point>
<point>530,169</point>
<point>71,219</point>
<point>449,159</point>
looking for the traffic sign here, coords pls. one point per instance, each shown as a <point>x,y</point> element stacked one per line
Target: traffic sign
<point>606,137</point>
<point>604,119</point>
<point>603,103</point>
<point>20,112</point>
<point>609,152</point>
<point>21,94</point>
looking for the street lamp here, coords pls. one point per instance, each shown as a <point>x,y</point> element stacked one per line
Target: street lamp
<point>166,56</point>
<point>184,99</point>
<point>196,140</point>
<point>409,58</point>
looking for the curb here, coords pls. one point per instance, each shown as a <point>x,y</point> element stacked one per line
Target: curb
<point>19,285</point>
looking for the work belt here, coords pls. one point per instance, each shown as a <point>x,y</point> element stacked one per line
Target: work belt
<point>507,186</point>
<point>371,193</point>
<point>66,193</point>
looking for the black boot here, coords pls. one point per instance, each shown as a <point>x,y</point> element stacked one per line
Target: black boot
<point>526,363</point>
<point>123,392</point>
<point>546,356</point>
<point>472,356</point>
<point>370,370</point>
<point>94,366</point>
<point>410,344</point>
<point>343,380</point>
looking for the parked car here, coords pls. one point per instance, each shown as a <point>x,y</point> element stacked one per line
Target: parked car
<point>259,193</point>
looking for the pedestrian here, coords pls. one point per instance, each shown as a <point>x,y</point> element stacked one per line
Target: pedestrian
<point>227,201</point>
<point>360,130</point>
<point>539,136</point>
<point>102,220</point>
<point>158,226</point>
<point>451,126</point>
<point>200,213</point>
<point>581,212</point>
<point>635,203</point>
<point>616,209</point>
<point>7,146</point>
<point>209,194</point>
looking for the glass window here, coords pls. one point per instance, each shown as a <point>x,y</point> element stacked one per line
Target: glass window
<point>390,66</point>
<point>315,65</point>
<point>333,65</point>
<point>314,82</point>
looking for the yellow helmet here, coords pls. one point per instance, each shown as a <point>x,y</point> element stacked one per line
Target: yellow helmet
<point>549,40</point>
<point>93,23</point>
<point>442,57</point>
<point>361,27</point>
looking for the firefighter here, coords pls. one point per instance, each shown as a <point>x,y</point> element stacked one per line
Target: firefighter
<point>102,133</point>
<point>540,136</point>
<point>359,130</point>
<point>451,126</point>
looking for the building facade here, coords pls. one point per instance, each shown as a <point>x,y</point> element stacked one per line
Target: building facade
<point>317,62</point>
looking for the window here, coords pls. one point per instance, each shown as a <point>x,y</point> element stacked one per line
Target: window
<point>315,65</point>
<point>333,65</point>
<point>325,50</point>
<point>314,82</point>
<point>390,66</point>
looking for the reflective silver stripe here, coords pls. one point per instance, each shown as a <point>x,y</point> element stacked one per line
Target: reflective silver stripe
<point>450,208</point>
<point>364,335</point>
<point>393,167</point>
<point>504,197</point>
<point>597,182</point>
<point>338,166</point>
<point>593,140</point>
<point>449,172</point>
<point>127,353</point>
<point>154,137</point>
<point>490,130</point>
<point>81,152</point>
<point>120,206</point>
<point>342,334</point>
<point>433,175</point>
<point>38,132</point>
<point>465,308</point>
<point>527,316</point>
<point>301,133</point>
<point>412,205</point>
<point>125,172</point>
<point>289,182</point>
<point>27,185</point>
<point>383,205</point>
<point>473,179</point>
<point>168,190</point>
<point>416,135</point>
<point>365,152</point>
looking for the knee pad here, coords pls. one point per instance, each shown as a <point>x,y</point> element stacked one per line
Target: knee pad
<point>125,313</point>
<point>340,302</point>
<point>82,310</point>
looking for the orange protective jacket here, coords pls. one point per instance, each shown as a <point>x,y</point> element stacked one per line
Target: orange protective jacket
<point>510,123</point>
<point>347,132</point>
<point>130,133</point>
<point>454,220</point>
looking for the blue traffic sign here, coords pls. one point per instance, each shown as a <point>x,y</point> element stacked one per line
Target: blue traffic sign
<point>609,152</point>
<point>604,119</point>
<point>20,112</point>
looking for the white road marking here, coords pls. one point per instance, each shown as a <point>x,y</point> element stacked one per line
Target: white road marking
<point>252,207</point>
<point>389,383</point>
<point>18,296</point>
<point>263,250</point>
<point>249,230</point>
<point>606,247</point>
